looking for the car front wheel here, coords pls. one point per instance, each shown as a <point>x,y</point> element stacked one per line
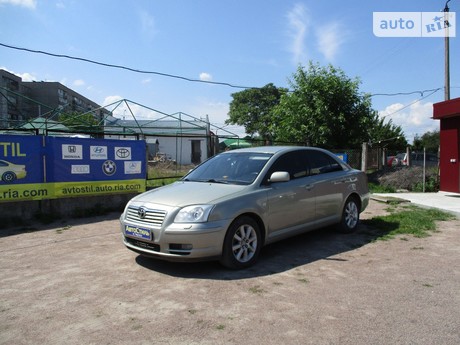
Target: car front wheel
<point>242,243</point>
<point>350,216</point>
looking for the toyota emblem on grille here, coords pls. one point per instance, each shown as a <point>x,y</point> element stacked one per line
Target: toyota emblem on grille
<point>141,213</point>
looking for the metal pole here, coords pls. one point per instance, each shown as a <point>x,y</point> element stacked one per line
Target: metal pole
<point>446,53</point>
<point>424,168</point>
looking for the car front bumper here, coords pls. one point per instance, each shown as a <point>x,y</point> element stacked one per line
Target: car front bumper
<point>178,242</point>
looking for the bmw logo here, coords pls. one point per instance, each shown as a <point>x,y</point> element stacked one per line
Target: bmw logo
<point>109,167</point>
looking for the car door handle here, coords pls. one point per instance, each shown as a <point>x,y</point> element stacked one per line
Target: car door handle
<point>309,186</point>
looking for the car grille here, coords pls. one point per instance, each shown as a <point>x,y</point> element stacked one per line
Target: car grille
<point>144,245</point>
<point>153,218</point>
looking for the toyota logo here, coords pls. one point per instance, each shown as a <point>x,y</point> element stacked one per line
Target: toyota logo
<point>123,152</point>
<point>141,213</point>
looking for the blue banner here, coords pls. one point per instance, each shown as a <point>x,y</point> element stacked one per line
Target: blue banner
<point>38,167</point>
<point>77,159</point>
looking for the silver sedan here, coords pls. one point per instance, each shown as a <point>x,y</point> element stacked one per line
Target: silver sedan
<point>234,203</point>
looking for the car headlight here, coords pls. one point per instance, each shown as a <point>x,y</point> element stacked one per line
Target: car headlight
<point>194,214</point>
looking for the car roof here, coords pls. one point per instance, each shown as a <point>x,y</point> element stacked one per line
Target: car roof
<point>273,149</point>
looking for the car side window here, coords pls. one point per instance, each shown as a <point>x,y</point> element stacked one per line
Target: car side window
<point>321,163</point>
<point>295,163</point>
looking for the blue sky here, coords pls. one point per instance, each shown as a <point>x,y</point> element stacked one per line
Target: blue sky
<point>247,43</point>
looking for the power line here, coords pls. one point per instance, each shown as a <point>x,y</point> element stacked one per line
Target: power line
<point>125,67</point>
<point>416,101</point>
<point>422,92</point>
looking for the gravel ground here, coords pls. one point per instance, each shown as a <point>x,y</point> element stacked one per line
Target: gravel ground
<point>75,283</point>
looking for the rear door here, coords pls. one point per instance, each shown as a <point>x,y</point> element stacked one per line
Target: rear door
<point>330,184</point>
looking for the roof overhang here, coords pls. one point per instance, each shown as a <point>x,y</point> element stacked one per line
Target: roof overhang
<point>446,109</point>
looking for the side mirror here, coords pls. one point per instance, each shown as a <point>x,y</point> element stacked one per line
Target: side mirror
<point>279,176</point>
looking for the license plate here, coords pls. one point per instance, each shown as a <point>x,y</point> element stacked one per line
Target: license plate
<point>135,231</point>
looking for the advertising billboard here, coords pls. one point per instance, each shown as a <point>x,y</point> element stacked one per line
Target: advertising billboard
<point>37,167</point>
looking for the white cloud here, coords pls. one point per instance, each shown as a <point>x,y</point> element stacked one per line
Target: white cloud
<point>79,82</point>
<point>30,4</point>
<point>147,24</point>
<point>205,76</point>
<point>146,81</point>
<point>27,77</point>
<point>109,100</point>
<point>413,119</point>
<point>24,76</point>
<point>298,25</point>
<point>330,37</point>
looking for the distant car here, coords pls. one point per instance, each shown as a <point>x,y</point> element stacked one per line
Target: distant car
<point>416,159</point>
<point>392,161</point>
<point>234,203</point>
<point>10,172</point>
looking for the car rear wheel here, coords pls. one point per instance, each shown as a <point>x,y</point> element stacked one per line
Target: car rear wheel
<point>8,176</point>
<point>350,216</point>
<point>242,244</point>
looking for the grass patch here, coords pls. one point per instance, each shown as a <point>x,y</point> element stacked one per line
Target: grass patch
<point>164,173</point>
<point>412,220</point>
<point>378,188</point>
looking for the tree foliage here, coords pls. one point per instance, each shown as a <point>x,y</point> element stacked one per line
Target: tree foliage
<point>323,108</point>
<point>253,109</point>
<point>326,109</point>
<point>85,122</point>
<point>388,135</point>
<point>429,141</point>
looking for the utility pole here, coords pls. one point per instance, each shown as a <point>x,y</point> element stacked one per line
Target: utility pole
<point>446,53</point>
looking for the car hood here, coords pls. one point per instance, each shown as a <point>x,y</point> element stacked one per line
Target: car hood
<point>183,193</point>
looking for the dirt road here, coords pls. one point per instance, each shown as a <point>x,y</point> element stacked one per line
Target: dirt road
<point>75,283</point>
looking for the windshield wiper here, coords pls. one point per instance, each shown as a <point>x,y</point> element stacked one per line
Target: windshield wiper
<point>212,180</point>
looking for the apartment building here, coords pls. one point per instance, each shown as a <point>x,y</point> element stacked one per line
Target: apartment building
<point>21,101</point>
<point>15,106</point>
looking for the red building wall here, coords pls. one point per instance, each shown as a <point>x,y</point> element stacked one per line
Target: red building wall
<point>448,113</point>
<point>449,155</point>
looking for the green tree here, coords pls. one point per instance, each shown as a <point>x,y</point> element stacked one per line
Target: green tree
<point>83,122</point>
<point>387,134</point>
<point>253,109</point>
<point>326,109</point>
<point>429,141</point>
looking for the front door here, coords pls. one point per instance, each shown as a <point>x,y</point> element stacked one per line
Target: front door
<point>291,204</point>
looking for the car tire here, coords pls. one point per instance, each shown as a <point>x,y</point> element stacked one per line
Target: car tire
<point>242,243</point>
<point>8,177</point>
<point>350,216</point>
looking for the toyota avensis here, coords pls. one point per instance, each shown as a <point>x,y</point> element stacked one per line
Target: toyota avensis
<point>234,203</point>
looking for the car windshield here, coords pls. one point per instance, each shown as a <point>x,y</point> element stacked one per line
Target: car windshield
<point>231,168</point>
